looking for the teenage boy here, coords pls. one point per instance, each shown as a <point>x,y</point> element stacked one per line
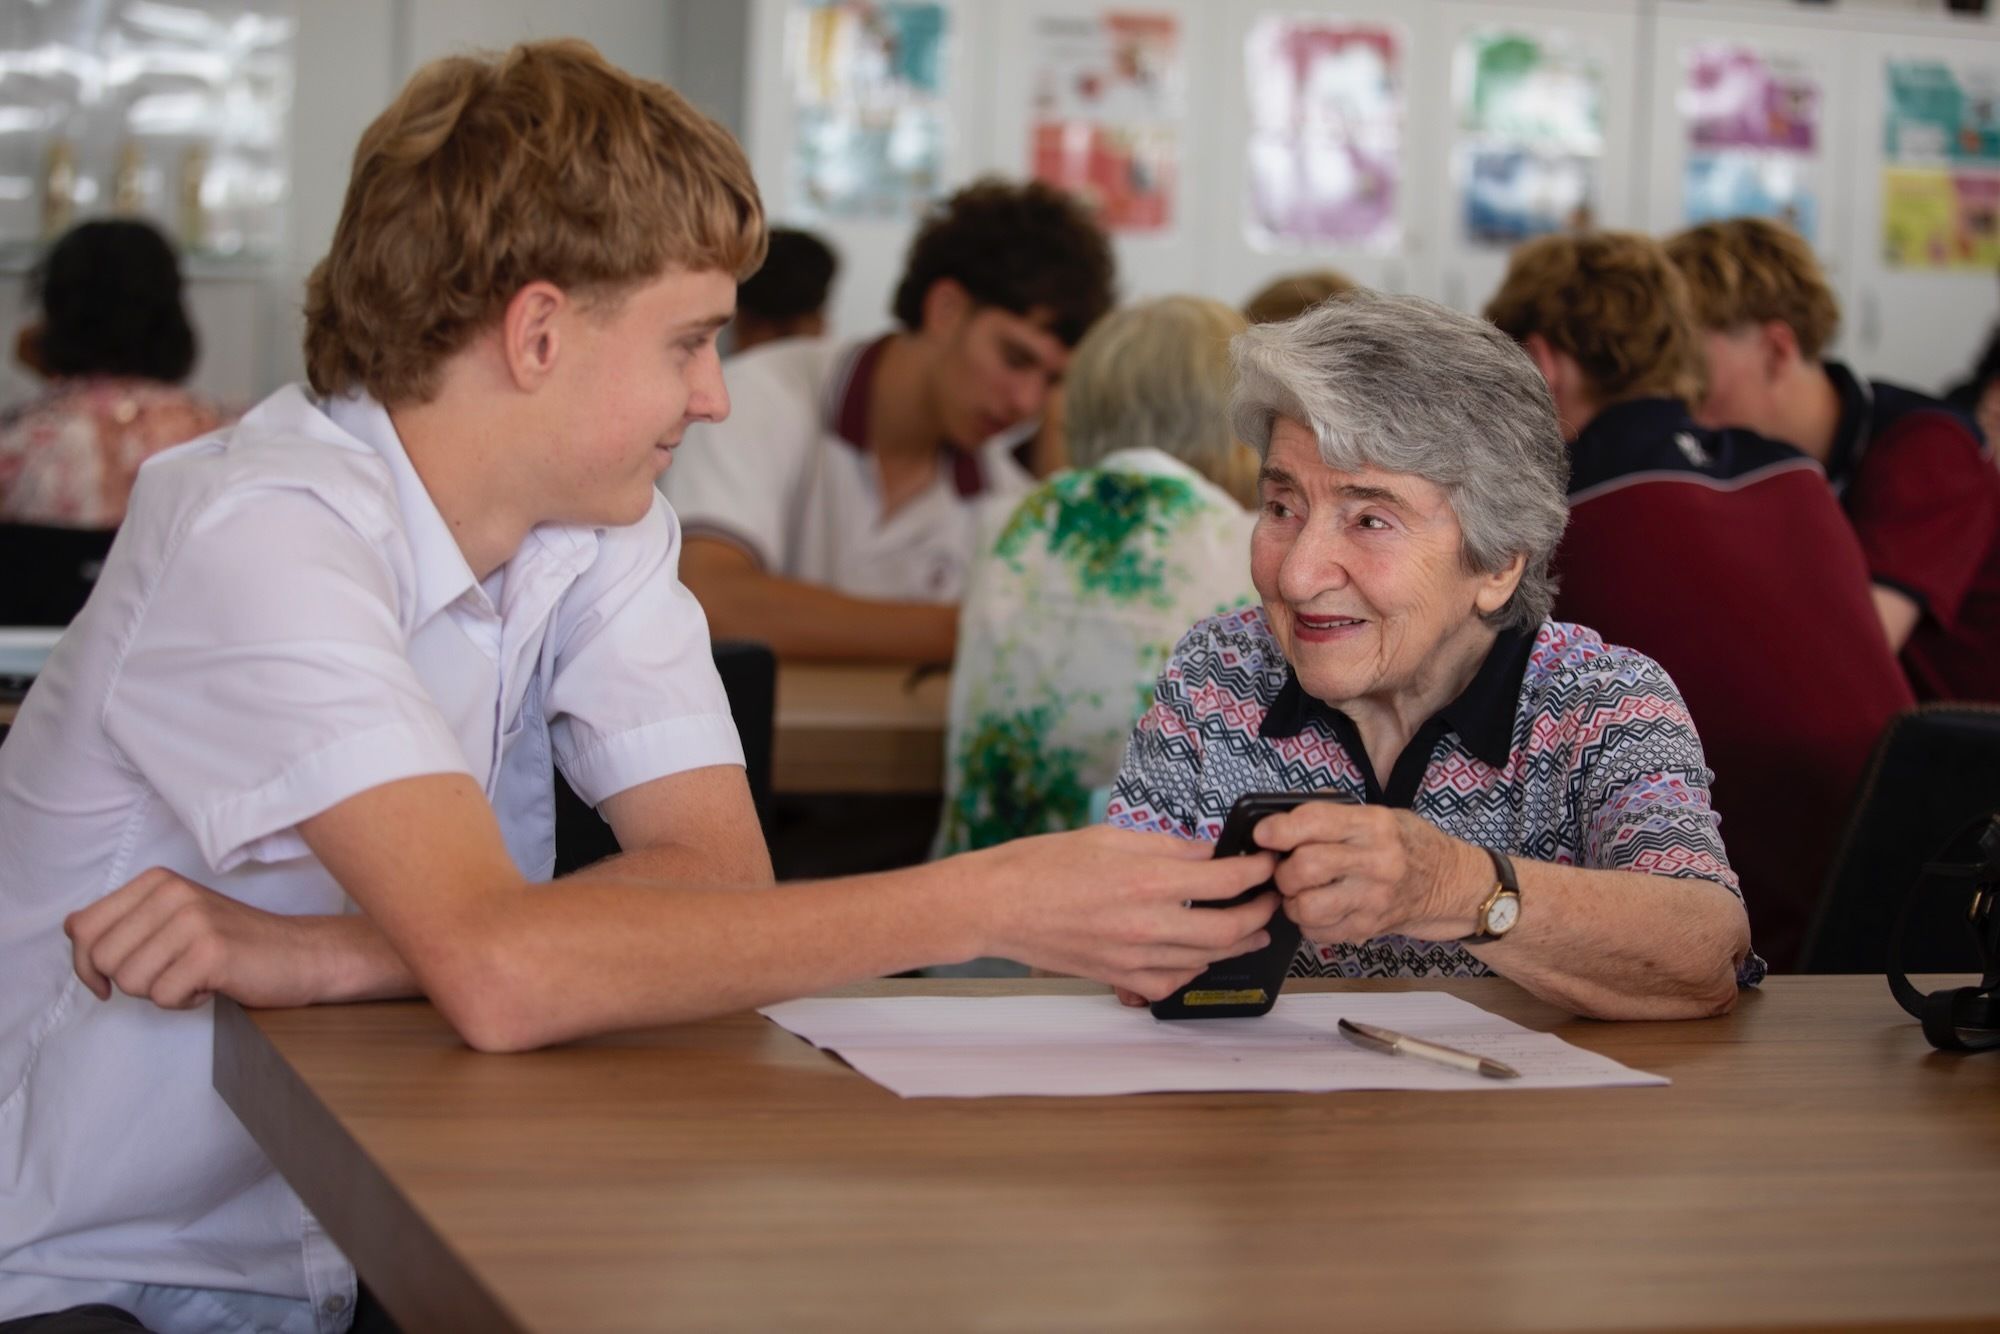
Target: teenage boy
<point>833,515</point>
<point>1718,553</point>
<point>326,668</point>
<point>1913,475</point>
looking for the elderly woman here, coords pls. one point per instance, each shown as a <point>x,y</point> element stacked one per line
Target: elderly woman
<point>1536,800</point>
<point>1070,613</point>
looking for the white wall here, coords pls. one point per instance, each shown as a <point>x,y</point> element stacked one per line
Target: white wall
<point>1920,327</point>
<point>727,55</point>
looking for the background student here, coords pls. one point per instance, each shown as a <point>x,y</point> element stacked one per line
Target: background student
<point>834,515</point>
<point>1718,553</point>
<point>786,296</point>
<point>1913,475</point>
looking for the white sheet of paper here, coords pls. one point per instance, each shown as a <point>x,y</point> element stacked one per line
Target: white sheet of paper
<point>998,1046</point>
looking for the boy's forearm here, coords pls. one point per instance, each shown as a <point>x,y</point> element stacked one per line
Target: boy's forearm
<point>351,960</point>
<point>586,955</point>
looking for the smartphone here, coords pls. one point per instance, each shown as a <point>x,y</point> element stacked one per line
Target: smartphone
<point>1246,986</point>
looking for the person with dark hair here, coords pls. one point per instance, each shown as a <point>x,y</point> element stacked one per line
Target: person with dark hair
<point>114,341</point>
<point>832,514</point>
<point>786,297</point>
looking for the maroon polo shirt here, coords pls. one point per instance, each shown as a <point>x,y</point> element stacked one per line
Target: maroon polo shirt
<point>1919,485</point>
<point>1724,557</point>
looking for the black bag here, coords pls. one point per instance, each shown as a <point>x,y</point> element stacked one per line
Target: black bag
<point>1962,1018</point>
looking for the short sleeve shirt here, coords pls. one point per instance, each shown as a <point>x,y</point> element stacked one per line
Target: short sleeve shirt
<point>1723,557</point>
<point>1563,749</point>
<point>788,478</point>
<point>1070,615</point>
<point>1919,484</point>
<point>284,622</point>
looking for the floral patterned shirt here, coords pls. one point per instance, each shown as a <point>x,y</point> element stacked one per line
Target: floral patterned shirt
<point>68,458</point>
<point>1067,619</point>
<point>1563,749</point>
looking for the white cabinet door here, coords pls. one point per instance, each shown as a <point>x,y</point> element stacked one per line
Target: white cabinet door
<point>1041,52</point>
<point>1921,323</point>
<point>1725,68</point>
<point>1255,229</point>
<point>1579,38</point>
<point>871,248</point>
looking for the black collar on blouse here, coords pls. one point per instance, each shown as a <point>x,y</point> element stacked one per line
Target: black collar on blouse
<point>1482,716</point>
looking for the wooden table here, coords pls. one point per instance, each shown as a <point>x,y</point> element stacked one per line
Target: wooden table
<point>1814,1163</point>
<point>858,728</point>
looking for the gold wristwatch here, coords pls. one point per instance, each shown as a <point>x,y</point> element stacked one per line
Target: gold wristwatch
<point>1502,908</point>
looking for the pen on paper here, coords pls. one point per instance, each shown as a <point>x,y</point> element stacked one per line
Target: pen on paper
<point>1402,1044</point>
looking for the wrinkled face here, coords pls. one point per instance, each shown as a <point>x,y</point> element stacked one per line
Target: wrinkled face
<point>995,370</point>
<point>1362,577</point>
<point>1741,384</point>
<point>629,381</point>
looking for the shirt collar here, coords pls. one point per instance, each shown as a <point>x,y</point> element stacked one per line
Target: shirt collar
<point>1857,415</point>
<point>1482,715</point>
<point>441,570</point>
<point>1634,419</point>
<point>847,416</point>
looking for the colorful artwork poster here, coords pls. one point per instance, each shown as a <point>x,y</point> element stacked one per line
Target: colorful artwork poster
<point>1940,114</point>
<point>1326,135</point>
<point>1107,107</point>
<point>1737,184</point>
<point>1752,126</point>
<point>870,125</point>
<point>1736,97</point>
<point>1530,135</point>
<point>1935,219</point>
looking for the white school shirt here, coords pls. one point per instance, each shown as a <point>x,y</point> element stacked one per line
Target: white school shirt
<point>788,477</point>
<point>284,621</point>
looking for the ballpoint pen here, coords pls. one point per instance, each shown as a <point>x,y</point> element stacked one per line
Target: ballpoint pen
<point>1402,1044</point>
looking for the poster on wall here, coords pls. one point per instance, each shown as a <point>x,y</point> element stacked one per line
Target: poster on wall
<point>1325,156</point>
<point>1106,115</point>
<point>1530,116</point>
<point>1751,121</point>
<point>870,126</point>
<point>1941,166</point>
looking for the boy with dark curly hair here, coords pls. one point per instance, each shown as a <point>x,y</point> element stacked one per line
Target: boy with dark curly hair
<point>832,515</point>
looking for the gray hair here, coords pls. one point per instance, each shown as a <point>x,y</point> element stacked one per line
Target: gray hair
<point>1157,376</point>
<point>1409,386</point>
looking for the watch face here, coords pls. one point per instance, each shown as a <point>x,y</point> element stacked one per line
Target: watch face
<point>1506,911</point>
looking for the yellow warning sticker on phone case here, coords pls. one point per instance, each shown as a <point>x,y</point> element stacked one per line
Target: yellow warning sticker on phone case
<point>1244,996</point>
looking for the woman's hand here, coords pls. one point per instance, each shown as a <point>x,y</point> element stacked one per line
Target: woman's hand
<point>1352,873</point>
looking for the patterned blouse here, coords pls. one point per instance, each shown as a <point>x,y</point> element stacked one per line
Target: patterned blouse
<point>1067,619</point>
<point>68,458</point>
<point>1563,749</point>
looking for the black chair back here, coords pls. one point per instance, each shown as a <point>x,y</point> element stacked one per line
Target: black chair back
<point>1935,768</point>
<point>749,674</point>
<point>47,573</point>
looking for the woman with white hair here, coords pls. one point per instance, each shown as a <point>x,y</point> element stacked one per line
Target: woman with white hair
<point>1534,800</point>
<point>1069,615</point>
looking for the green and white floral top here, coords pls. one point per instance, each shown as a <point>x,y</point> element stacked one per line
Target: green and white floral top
<point>1067,619</point>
